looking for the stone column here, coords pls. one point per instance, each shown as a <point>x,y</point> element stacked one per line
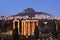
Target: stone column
<point>17,25</point>
<point>33,27</point>
<point>29,28</point>
<point>22,28</point>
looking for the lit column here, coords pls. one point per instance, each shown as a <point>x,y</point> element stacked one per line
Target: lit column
<point>26,28</point>
<point>22,28</point>
<point>18,27</point>
<point>13,24</point>
<point>33,27</point>
<point>29,28</point>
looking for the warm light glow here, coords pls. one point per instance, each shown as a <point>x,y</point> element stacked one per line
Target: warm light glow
<point>33,28</point>
<point>24,29</point>
<point>45,22</point>
<point>28,26</point>
<point>10,32</point>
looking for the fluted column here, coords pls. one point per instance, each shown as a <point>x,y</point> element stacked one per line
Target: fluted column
<point>22,28</point>
<point>29,28</point>
<point>18,25</point>
<point>33,27</point>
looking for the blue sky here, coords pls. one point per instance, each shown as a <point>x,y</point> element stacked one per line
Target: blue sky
<point>12,7</point>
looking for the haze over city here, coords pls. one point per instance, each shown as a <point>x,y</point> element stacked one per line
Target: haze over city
<point>12,7</point>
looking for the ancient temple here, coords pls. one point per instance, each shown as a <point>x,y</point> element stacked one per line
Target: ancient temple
<point>25,27</point>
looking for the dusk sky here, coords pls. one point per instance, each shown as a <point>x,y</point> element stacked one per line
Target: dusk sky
<point>12,7</point>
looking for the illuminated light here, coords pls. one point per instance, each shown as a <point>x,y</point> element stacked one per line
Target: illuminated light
<point>26,36</point>
<point>28,27</point>
<point>10,32</point>
<point>45,22</point>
